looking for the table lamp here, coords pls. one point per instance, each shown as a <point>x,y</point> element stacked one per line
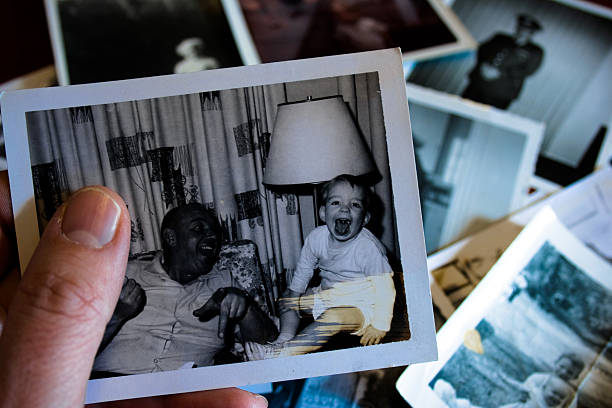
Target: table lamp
<point>314,141</point>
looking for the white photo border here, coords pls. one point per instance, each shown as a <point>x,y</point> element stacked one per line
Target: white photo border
<point>545,227</point>
<point>533,131</point>
<point>387,63</point>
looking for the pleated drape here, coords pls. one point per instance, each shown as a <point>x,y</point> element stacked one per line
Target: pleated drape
<point>208,147</point>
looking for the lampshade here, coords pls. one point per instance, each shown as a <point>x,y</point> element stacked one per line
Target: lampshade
<point>314,141</point>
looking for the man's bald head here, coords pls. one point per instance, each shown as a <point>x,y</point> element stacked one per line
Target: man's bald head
<point>191,239</point>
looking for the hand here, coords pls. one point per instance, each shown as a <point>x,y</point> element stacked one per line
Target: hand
<point>132,300</point>
<point>228,303</point>
<point>372,336</point>
<point>57,313</point>
<point>254,351</point>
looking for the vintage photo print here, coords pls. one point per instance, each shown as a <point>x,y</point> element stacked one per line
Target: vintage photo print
<point>279,30</point>
<point>474,164</point>
<point>225,177</point>
<point>39,78</point>
<point>535,332</point>
<point>105,40</point>
<point>541,59</point>
<point>583,208</point>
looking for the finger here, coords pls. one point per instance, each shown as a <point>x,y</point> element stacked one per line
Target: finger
<point>229,301</point>
<point>67,295</point>
<point>8,287</point>
<point>223,316</point>
<point>207,308</point>
<point>6,209</point>
<point>248,350</point>
<point>130,285</point>
<point>237,307</point>
<point>225,398</point>
<point>7,230</point>
<point>7,254</point>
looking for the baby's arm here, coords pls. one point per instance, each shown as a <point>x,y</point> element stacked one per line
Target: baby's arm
<point>290,300</point>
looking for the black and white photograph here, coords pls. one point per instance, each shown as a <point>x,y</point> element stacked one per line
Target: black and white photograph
<point>525,63</point>
<point>283,193</point>
<point>532,348</point>
<point>473,164</point>
<point>584,208</point>
<point>40,78</point>
<point>105,40</point>
<point>280,30</point>
<point>530,341</point>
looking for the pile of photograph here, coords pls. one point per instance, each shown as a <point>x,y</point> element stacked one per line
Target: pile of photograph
<point>523,304</point>
<point>509,193</point>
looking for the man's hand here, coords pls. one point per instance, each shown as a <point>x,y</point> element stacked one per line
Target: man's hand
<point>372,336</point>
<point>132,300</point>
<point>58,311</point>
<point>228,303</point>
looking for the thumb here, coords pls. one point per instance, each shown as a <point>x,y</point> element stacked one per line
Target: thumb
<point>67,295</point>
<point>208,311</point>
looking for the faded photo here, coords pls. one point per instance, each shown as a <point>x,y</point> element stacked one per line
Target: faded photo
<point>546,344</point>
<point>473,168</point>
<point>106,40</point>
<point>537,58</point>
<point>284,30</point>
<point>227,263</point>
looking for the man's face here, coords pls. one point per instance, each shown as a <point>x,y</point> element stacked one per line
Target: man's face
<point>344,212</point>
<point>196,246</point>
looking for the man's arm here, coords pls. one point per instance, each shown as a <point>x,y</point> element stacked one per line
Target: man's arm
<point>236,305</point>
<point>132,300</point>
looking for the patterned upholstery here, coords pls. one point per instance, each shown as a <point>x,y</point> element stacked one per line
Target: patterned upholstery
<point>240,258</point>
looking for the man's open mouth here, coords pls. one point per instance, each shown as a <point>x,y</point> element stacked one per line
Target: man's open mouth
<point>205,248</point>
<point>342,226</point>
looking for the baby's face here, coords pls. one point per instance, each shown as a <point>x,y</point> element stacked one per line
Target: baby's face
<point>555,392</point>
<point>344,212</point>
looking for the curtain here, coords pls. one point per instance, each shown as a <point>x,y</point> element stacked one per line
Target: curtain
<point>208,147</point>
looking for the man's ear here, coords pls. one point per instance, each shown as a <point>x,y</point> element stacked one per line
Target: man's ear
<point>322,213</point>
<point>169,237</point>
<point>366,219</point>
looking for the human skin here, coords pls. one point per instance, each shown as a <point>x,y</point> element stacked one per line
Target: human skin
<point>53,318</point>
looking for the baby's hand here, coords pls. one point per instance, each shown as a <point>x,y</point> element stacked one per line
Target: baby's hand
<point>372,336</point>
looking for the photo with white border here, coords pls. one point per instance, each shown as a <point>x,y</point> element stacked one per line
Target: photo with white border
<point>584,208</point>
<point>535,330</point>
<point>474,163</point>
<point>139,39</point>
<point>557,73</point>
<point>170,142</point>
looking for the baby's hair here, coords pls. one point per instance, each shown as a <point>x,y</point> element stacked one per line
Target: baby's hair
<point>353,182</point>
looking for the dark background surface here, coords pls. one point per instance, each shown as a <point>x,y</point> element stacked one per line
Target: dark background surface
<point>25,38</point>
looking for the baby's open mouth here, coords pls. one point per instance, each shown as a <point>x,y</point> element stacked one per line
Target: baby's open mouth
<point>342,226</point>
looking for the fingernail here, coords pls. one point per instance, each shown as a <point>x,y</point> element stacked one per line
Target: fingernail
<point>91,218</point>
<point>260,401</point>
